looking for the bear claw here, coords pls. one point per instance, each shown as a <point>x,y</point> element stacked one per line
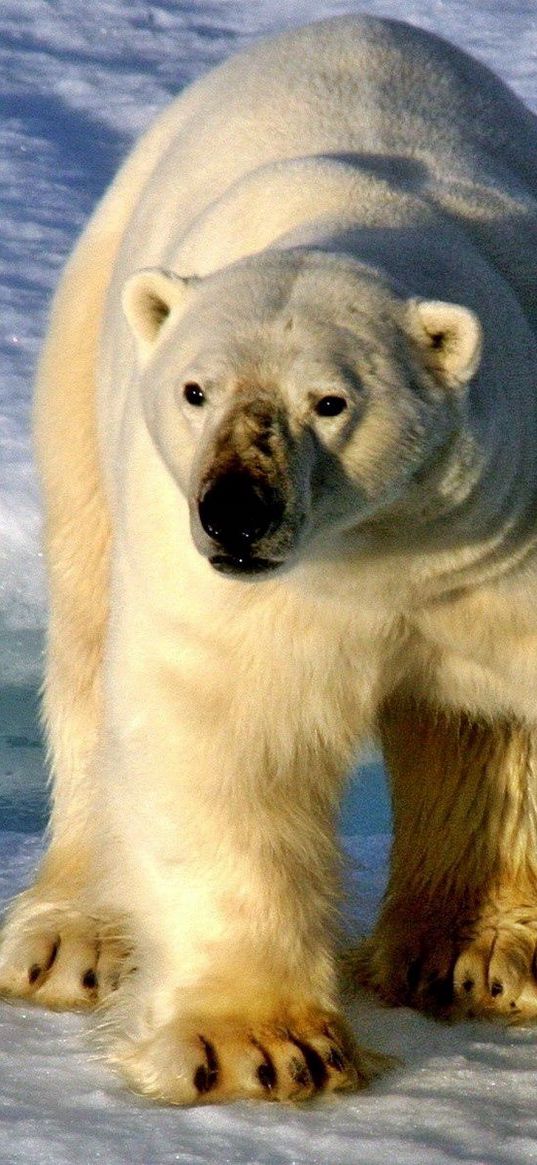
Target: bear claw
<point>274,1064</point>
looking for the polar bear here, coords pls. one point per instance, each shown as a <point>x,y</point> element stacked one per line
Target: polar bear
<point>286,423</point>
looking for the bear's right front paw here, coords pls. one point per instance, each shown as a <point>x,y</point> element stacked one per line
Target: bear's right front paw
<point>220,1059</point>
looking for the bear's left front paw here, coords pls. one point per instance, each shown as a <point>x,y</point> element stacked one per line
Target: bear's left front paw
<point>220,1059</point>
<point>496,974</point>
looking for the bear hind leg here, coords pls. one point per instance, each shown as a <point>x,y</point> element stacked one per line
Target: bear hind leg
<point>457,932</point>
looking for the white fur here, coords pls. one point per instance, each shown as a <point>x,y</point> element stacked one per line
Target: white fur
<point>293,227</point>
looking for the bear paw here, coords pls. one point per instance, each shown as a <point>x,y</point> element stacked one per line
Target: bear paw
<point>416,971</point>
<point>59,957</point>
<point>488,969</point>
<point>189,1062</point>
<point>496,974</point>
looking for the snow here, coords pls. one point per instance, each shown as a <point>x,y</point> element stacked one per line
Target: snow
<point>79,81</point>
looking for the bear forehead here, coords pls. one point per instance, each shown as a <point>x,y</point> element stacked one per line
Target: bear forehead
<point>278,285</point>
<point>287,347</point>
<point>315,313</point>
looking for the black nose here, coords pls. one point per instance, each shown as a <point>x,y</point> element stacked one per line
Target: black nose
<point>237,510</point>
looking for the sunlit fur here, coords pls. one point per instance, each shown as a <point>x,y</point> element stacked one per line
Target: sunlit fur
<point>291,228</point>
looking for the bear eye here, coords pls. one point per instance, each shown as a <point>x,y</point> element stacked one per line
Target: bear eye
<point>330,406</point>
<point>194,394</point>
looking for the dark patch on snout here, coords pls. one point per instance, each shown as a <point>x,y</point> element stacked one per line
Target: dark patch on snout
<point>264,436</point>
<point>254,435</point>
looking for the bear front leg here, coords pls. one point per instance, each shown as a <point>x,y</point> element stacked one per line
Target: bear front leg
<point>225,861</point>
<point>457,933</point>
<point>57,947</point>
<point>234,992</point>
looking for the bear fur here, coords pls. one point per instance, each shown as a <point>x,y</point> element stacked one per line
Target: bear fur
<point>286,426</point>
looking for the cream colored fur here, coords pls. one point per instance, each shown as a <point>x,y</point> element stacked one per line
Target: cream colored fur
<point>284,235</point>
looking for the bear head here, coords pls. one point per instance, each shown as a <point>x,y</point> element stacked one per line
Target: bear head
<point>295,397</point>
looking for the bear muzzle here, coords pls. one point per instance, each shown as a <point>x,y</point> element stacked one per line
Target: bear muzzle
<point>240,512</point>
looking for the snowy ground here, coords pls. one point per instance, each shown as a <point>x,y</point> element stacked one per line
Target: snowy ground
<point>79,81</point>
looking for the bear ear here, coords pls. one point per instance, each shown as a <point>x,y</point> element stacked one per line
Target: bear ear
<point>449,337</point>
<point>148,298</point>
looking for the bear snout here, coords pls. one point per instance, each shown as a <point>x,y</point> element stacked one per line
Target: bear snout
<point>237,511</point>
